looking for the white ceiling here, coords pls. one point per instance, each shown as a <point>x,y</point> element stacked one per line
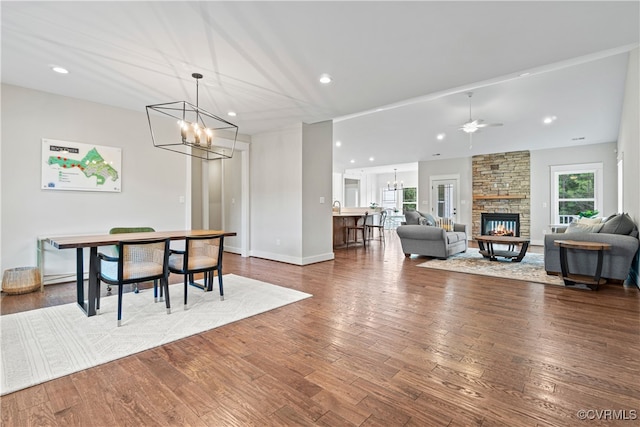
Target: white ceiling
<point>414,61</point>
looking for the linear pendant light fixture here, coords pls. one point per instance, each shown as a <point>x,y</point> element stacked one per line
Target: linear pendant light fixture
<point>395,186</point>
<point>198,133</point>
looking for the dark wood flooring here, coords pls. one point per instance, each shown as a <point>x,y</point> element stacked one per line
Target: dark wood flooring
<point>381,343</point>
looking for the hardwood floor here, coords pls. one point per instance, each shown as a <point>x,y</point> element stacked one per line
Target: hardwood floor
<point>381,343</point>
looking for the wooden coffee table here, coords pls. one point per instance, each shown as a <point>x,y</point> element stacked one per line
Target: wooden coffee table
<point>487,249</point>
<point>591,282</point>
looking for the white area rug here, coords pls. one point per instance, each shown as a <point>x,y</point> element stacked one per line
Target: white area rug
<point>530,269</point>
<point>52,342</point>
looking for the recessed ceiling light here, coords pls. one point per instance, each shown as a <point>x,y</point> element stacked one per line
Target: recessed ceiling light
<point>352,161</point>
<point>231,113</point>
<point>338,143</point>
<point>60,70</point>
<point>371,159</point>
<point>549,119</point>
<point>524,74</point>
<point>325,79</point>
<point>440,136</point>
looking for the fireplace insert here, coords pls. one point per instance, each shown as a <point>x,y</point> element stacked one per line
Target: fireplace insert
<point>500,224</point>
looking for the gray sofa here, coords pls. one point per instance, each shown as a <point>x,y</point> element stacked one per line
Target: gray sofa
<point>419,235</point>
<point>618,230</point>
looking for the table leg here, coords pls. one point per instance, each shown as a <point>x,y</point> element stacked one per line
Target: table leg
<point>80,279</point>
<point>88,307</point>
<point>523,252</point>
<point>482,248</point>
<point>492,256</point>
<point>563,266</point>
<point>596,277</point>
<point>93,280</point>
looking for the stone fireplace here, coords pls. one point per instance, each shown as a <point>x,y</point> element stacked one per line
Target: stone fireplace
<point>502,186</point>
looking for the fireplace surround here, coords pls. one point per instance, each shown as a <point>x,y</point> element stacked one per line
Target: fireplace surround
<point>501,183</point>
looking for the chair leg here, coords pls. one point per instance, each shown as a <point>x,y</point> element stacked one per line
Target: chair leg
<point>120,289</point>
<point>220,283</point>
<point>98,296</point>
<point>186,285</point>
<point>155,291</point>
<point>164,282</point>
<point>135,288</point>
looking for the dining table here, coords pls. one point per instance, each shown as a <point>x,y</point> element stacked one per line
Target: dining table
<point>80,242</point>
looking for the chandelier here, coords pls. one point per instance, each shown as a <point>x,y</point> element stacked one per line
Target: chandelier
<point>395,186</point>
<point>198,133</point>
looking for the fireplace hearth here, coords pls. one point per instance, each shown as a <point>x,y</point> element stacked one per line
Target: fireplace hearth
<point>500,224</point>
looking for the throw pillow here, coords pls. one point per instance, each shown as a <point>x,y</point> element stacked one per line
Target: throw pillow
<point>576,227</point>
<point>412,217</point>
<point>589,221</point>
<point>619,224</point>
<point>445,223</point>
<point>430,220</point>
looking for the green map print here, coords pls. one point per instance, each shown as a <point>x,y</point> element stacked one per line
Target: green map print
<point>91,165</point>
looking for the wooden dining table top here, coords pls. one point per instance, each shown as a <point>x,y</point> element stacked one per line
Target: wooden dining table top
<point>84,241</point>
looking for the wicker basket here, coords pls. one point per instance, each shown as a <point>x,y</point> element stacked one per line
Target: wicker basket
<point>21,280</point>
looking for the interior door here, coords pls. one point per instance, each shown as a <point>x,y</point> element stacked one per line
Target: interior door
<point>444,196</point>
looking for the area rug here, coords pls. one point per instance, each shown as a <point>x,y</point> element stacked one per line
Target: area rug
<point>530,269</point>
<point>48,343</point>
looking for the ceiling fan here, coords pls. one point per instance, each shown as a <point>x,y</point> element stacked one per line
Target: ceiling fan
<point>473,126</point>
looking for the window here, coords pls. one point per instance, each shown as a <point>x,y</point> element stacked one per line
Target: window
<point>409,199</point>
<point>388,199</point>
<point>576,189</point>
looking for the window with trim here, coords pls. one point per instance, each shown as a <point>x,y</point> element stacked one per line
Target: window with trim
<point>409,199</point>
<point>575,189</point>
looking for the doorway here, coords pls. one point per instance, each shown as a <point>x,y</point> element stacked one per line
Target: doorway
<point>444,196</point>
<point>351,192</point>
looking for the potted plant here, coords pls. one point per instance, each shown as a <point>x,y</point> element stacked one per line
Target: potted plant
<point>588,214</point>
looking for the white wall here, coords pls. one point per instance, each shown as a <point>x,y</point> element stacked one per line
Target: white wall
<point>629,138</point>
<point>234,201</point>
<point>460,166</point>
<point>629,144</point>
<point>317,219</point>
<point>542,160</point>
<point>288,176</point>
<point>276,194</point>
<point>153,180</point>
<point>214,187</point>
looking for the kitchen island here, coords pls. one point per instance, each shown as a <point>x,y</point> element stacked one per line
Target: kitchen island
<point>345,218</point>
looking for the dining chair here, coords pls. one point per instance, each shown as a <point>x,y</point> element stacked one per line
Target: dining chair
<point>202,254</point>
<point>380,227</point>
<point>360,226</point>
<point>137,261</point>
<point>120,230</point>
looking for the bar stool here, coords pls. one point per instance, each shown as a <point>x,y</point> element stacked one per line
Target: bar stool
<point>361,225</point>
